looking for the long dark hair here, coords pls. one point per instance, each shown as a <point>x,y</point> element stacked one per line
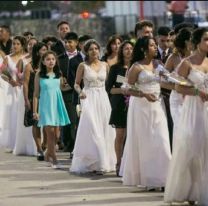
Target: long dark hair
<point>184,35</point>
<point>43,69</point>
<point>112,39</point>
<point>35,54</point>
<point>140,48</point>
<point>197,36</point>
<point>22,41</point>
<point>120,51</point>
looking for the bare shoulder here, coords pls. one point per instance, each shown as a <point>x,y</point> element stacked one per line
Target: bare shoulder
<point>136,67</point>
<point>172,62</point>
<point>187,62</point>
<point>37,75</point>
<point>104,63</point>
<point>81,66</point>
<point>172,57</point>
<point>106,66</point>
<point>28,67</point>
<point>184,67</point>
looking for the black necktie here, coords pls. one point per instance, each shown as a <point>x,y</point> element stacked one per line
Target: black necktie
<point>163,56</point>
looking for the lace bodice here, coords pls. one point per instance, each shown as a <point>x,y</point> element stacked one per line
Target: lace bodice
<point>148,82</point>
<point>93,78</point>
<point>199,79</point>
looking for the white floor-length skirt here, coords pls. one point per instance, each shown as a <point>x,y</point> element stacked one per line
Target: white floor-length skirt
<point>176,102</point>
<point>147,153</point>
<point>188,174</point>
<point>94,145</point>
<point>4,120</point>
<point>9,106</point>
<point>24,144</point>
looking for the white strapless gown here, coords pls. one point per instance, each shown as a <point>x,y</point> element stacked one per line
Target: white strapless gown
<point>24,141</point>
<point>176,102</point>
<point>94,145</point>
<point>147,153</point>
<point>13,95</point>
<point>188,173</point>
<point>4,111</point>
<point>14,135</point>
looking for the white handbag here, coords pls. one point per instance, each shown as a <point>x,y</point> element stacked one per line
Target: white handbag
<point>78,108</point>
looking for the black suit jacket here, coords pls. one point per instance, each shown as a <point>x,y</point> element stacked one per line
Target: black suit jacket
<point>165,92</point>
<point>166,57</point>
<point>71,74</point>
<point>6,49</point>
<point>63,59</point>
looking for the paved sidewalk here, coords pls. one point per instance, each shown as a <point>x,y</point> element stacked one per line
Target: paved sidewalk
<point>26,182</point>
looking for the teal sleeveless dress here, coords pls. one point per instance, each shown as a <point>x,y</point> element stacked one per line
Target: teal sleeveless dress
<point>52,110</point>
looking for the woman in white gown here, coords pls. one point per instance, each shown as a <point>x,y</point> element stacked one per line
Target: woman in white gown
<point>3,85</point>
<point>12,92</point>
<point>24,144</point>
<point>147,150</point>
<point>188,174</point>
<point>94,145</point>
<point>182,49</point>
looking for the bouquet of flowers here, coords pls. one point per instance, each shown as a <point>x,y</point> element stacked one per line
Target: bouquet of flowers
<point>6,75</point>
<point>171,77</point>
<point>126,97</point>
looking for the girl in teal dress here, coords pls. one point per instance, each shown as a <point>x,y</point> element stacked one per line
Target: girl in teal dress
<point>49,103</point>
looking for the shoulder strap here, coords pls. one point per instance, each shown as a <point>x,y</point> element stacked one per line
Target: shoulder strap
<point>140,65</point>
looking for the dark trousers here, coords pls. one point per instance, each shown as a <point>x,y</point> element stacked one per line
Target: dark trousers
<point>69,131</point>
<point>169,119</point>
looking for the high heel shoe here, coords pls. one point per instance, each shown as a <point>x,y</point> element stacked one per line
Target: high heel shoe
<point>191,202</point>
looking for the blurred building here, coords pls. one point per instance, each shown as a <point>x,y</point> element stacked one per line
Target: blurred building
<point>127,13</point>
<point>41,17</point>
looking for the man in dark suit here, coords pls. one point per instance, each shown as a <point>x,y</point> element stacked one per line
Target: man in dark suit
<point>74,63</point>
<point>5,39</point>
<point>59,47</point>
<point>71,75</point>
<point>164,51</point>
<point>163,41</point>
<point>69,131</point>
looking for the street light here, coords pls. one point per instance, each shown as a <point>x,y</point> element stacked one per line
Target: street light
<point>24,3</point>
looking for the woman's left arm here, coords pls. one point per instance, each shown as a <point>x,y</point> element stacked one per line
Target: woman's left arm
<point>36,96</point>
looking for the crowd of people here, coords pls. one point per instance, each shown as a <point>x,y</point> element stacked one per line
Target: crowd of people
<point>117,112</point>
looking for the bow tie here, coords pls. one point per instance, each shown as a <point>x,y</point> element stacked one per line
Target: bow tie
<point>72,53</point>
